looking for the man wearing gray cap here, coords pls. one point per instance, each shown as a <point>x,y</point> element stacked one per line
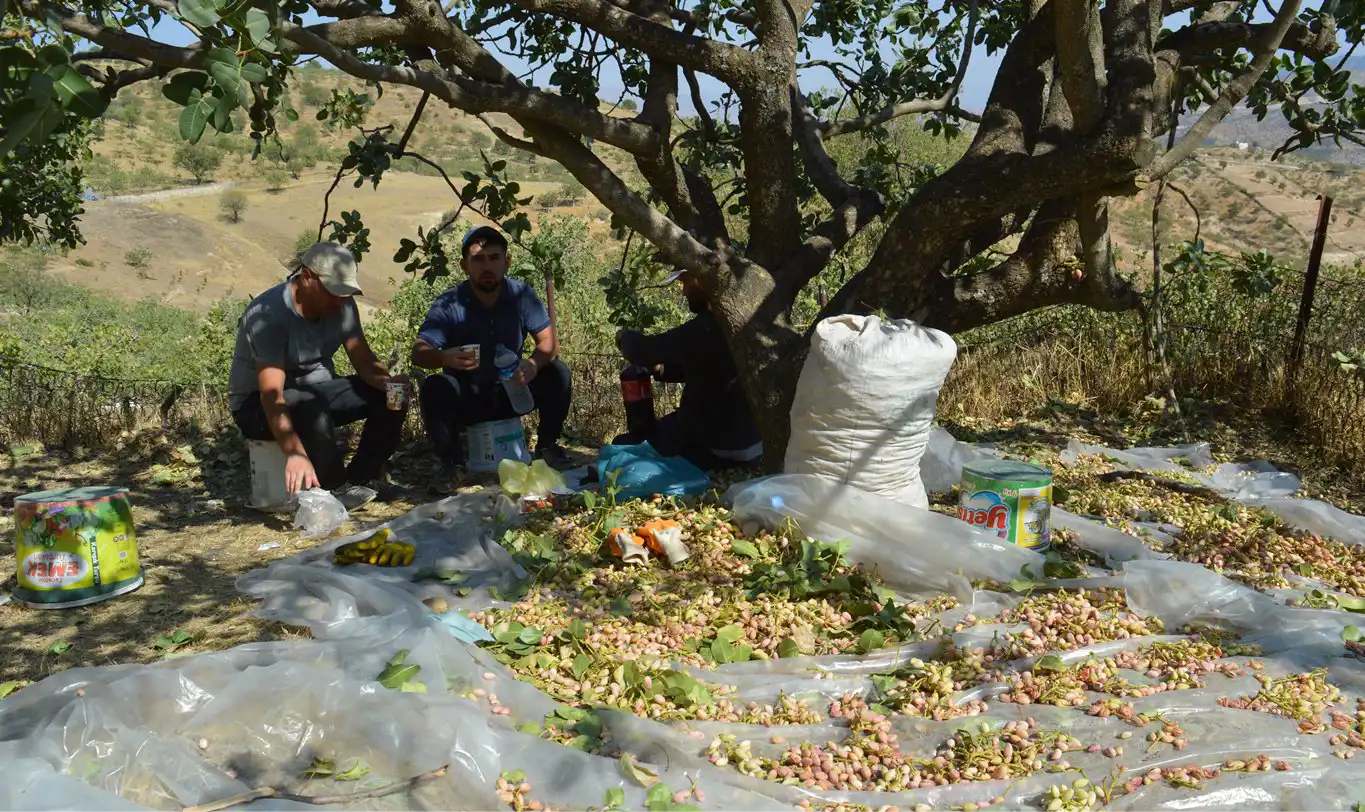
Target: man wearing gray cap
<point>283,385</point>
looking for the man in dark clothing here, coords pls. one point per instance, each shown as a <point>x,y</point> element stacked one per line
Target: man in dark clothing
<point>461,336</point>
<point>713,426</point>
<point>283,385</point>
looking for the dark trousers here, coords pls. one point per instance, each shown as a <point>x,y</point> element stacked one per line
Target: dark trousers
<point>452,403</point>
<point>670,438</point>
<point>316,410</point>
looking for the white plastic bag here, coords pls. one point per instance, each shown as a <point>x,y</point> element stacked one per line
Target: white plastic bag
<point>864,404</point>
<point>320,514</point>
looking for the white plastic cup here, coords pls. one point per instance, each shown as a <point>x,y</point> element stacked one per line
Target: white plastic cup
<point>396,394</point>
<point>474,348</point>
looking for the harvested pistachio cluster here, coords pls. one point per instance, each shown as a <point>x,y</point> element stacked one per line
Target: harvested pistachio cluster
<point>655,641</point>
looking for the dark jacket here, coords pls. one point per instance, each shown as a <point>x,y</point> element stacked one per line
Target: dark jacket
<point>713,411</point>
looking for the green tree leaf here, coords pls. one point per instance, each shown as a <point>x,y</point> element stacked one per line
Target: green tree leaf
<point>195,117</point>
<point>358,770</point>
<point>394,676</point>
<point>254,72</point>
<point>182,86</point>
<point>643,776</point>
<point>33,121</point>
<point>744,548</point>
<point>7,688</point>
<point>257,25</point>
<point>202,13</point>
<point>226,70</point>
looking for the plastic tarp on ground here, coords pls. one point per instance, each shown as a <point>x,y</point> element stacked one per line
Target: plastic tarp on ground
<point>198,729</point>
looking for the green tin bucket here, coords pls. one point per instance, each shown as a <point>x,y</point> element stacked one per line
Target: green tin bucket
<point>1009,498</point>
<point>74,547</point>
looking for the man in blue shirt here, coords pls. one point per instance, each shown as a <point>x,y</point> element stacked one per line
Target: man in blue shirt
<point>489,311</point>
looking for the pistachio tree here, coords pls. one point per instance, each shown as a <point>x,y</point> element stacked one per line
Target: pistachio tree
<point>743,189</point>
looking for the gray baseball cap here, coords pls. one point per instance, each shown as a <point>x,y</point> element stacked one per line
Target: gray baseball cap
<point>334,266</point>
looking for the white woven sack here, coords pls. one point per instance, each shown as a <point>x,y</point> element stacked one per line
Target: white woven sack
<point>865,401</point>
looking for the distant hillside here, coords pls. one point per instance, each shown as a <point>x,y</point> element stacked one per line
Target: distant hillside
<point>156,232</point>
<point>1242,127</point>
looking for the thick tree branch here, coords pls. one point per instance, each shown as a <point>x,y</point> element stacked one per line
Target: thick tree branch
<point>1080,75</point>
<point>479,97</point>
<point>1236,90</point>
<point>508,138</point>
<point>819,165</point>
<point>366,31</point>
<point>134,46</point>
<point>112,81</point>
<point>343,9</point>
<point>1014,111</point>
<point>699,53</point>
<point>1043,270</point>
<point>917,107</point>
<point>708,127</point>
<point>679,247</point>
<point>1203,38</point>
<point>1080,61</point>
<point>847,220</point>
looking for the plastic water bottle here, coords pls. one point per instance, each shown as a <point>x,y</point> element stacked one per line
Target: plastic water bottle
<point>520,396</point>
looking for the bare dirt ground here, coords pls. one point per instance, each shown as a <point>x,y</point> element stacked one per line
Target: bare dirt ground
<point>195,538</point>
<point>196,257</point>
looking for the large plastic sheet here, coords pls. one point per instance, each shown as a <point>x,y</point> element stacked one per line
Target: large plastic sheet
<point>198,729</point>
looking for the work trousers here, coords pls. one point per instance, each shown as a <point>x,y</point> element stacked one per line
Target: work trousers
<point>452,403</point>
<point>316,410</point>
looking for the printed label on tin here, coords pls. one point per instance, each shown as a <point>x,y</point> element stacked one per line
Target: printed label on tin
<point>1018,515</point>
<point>985,509</point>
<point>53,569</point>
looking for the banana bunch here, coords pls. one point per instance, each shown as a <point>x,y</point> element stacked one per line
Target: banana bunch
<point>378,550</point>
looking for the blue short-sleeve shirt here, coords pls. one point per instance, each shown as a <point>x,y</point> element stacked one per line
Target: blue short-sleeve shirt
<point>458,318</point>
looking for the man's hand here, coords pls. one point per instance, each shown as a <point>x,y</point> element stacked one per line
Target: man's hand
<point>299,474</point>
<point>460,359</point>
<point>526,371</point>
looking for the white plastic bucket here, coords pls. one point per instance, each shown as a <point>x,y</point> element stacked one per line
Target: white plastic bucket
<point>491,443</point>
<point>267,475</point>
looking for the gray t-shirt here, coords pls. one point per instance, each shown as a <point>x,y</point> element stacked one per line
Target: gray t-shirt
<point>272,331</point>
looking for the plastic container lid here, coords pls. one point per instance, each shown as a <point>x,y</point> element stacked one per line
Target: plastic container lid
<point>82,494</point>
<point>1007,470</point>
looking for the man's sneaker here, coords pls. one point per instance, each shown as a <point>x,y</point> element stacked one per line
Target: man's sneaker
<point>353,496</point>
<point>555,456</point>
<point>447,478</point>
<point>384,491</point>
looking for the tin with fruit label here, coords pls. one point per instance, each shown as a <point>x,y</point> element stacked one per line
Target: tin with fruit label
<point>75,546</point>
<point>1009,498</point>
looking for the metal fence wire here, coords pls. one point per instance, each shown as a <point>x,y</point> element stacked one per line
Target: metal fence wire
<point>68,409</point>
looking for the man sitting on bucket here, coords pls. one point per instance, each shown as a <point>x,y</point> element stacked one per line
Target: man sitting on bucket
<point>462,334</point>
<point>713,427</point>
<point>283,383</point>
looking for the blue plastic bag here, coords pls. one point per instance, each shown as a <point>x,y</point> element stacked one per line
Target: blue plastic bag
<point>462,626</point>
<point>642,472</point>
